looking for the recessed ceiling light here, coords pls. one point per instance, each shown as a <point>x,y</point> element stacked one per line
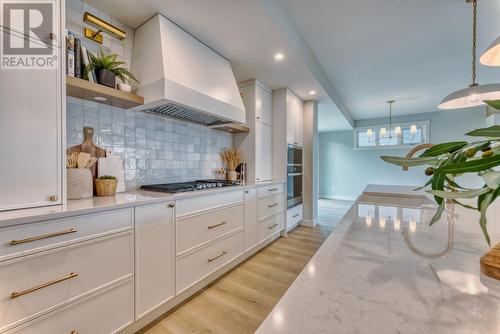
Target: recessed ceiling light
<point>312,92</point>
<point>99,98</point>
<point>279,56</point>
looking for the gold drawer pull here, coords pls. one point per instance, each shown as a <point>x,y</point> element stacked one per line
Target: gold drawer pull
<point>217,225</point>
<point>45,236</point>
<point>16,294</point>
<point>296,215</point>
<point>272,205</point>
<point>272,189</point>
<point>218,256</point>
<point>74,332</point>
<point>273,226</point>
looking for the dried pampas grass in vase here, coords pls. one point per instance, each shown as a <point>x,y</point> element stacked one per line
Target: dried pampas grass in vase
<point>230,158</point>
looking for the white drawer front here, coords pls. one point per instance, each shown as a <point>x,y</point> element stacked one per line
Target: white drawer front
<point>270,189</point>
<point>294,215</point>
<point>195,266</point>
<point>104,313</point>
<point>80,268</point>
<point>210,201</point>
<point>30,238</point>
<point>271,226</point>
<point>270,205</point>
<point>195,230</point>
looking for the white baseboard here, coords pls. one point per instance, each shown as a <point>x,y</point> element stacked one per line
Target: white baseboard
<point>337,197</point>
<point>309,223</point>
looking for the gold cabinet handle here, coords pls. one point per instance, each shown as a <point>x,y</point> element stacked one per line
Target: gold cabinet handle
<point>44,236</point>
<point>73,332</point>
<point>296,215</point>
<point>272,189</point>
<point>218,256</point>
<point>273,226</point>
<point>16,294</point>
<point>272,205</point>
<point>53,198</point>
<point>216,225</point>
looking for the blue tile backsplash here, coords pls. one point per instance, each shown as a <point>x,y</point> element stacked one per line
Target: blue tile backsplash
<point>154,148</point>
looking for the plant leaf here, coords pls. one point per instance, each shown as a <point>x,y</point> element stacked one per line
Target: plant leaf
<point>495,104</point>
<point>428,183</point>
<point>471,165</point>
<point>408,162</point>
<point>438,184</point>
<point>444,148</point>
<point>459,194</point>
<point>492,131</point>
<point>438,214</point>
<point>492,179</point>
<point>485,202</point>
<point>465,205</point>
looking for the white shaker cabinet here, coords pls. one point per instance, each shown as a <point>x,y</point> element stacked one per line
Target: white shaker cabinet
<point>154,254</point>
<point>251,226</point>
<point>31,123</point>
<point>263,152</point>
<point>294,120</point>
<point>257,144</point>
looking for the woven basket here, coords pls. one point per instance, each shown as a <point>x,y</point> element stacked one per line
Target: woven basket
<point>105,187</point>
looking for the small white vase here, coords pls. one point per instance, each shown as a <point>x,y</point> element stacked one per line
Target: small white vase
<point>231,176</point>
<point>125,87</point>
<point>80,183</point>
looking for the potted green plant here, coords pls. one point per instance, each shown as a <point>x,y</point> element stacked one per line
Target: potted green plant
<point>107,69</point>
<point>105,185</point>
<point>447,161</point>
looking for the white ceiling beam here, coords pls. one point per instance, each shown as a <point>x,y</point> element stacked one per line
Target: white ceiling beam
<point>280,16</point>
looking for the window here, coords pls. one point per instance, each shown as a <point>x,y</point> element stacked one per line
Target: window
<point>402,135</point>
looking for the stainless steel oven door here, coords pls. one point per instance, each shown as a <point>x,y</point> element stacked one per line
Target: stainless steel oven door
<point>294,189</point>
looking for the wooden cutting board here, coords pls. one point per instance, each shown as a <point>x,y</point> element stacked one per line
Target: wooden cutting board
<point>88,146</point>
<point>490,263</point>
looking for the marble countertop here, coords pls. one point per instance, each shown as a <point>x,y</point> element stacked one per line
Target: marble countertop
<point>98,204</point>
<point>384,270</point>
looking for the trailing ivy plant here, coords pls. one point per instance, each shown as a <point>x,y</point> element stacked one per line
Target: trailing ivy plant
<point>447,161</point>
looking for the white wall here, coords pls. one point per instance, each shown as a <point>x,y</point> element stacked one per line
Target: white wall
<point>344,171</point>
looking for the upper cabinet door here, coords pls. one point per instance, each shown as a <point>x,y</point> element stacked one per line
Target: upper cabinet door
<point>263,105</point>
<point>299,120</point>
<point>290,119</point>
<point>31,103</point>
<point>263,152</point>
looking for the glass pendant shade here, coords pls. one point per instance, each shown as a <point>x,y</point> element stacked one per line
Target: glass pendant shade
<point>492,55</point>
<point>397,131</point>
<point>472,96</point>
<point>383,132</point>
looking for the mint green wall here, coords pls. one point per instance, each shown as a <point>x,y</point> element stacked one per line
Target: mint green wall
<point>344,171</point>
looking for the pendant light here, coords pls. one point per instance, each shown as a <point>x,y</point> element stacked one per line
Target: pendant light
<point>491,57</point>
<point>475,94</point>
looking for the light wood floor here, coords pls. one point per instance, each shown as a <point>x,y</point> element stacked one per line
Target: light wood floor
<point>239,301</point>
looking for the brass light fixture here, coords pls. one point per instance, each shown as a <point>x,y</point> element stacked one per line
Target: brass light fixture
<point>103,26</point>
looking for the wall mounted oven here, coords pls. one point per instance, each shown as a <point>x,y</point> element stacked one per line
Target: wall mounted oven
<point>294,176</point>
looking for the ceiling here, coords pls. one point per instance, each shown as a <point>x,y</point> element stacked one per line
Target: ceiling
<point>414,52</point>
<point>355,54</point>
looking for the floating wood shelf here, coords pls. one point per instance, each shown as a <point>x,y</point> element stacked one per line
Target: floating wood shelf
<point>90,91</point>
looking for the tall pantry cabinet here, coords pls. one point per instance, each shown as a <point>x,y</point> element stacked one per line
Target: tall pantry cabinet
<point>31,124</point>
<point>257,144</point>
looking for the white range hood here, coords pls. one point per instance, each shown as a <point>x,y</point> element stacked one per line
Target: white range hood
<point>183,78</point>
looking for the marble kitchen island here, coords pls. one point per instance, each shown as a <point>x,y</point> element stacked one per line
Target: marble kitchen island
<point>384,270</point>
